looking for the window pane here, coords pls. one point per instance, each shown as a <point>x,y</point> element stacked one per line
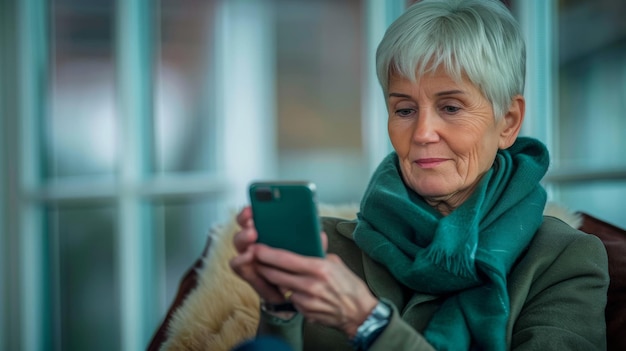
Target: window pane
<point>184,226</point>
<point>592,85</point>
<point>80,131</point>
<point>184,121</point>
<point>592,53</point>
<point>88,302</point>
<point>601,199</point>
<point>319,82</point>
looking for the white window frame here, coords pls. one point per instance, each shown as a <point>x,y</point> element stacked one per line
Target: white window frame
<point>379,15</point>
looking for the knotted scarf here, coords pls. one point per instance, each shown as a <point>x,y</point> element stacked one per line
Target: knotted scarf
<point>464,256</point>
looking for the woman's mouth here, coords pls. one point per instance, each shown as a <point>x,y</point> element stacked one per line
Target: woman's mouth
<point>429,162</point>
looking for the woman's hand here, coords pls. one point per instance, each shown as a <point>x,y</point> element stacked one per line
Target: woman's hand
<point>324,290</point>
<point>245,264</point>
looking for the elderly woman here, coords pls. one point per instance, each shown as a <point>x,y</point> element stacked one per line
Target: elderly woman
<point>451,250</point>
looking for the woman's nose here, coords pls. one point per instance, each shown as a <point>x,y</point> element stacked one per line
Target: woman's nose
<point>425,128</point>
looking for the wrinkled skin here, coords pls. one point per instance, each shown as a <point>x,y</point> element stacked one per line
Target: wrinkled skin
<point>446,135</point>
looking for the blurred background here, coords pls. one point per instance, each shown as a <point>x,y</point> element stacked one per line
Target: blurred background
<point>130,128</point>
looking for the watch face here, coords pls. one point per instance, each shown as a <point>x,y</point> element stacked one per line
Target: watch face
<point>382,310</point>
<point>372,327</point>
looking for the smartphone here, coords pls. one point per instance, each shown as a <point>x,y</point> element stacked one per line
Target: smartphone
<point>285,216</point>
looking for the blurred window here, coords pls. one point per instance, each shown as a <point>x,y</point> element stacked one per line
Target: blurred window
<point>135,129</point>
<point>319,87</point>
<point>87,304</point>
<point>185,88</point>
<point>81,130</point>
<point>123,189</point>
<point>575,89</point>
<point>590,134</point>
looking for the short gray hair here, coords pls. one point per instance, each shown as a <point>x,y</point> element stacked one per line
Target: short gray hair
<point>478,38</point>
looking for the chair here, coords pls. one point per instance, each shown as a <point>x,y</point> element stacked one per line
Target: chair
<point>614,240</point>
<point>187,284</point>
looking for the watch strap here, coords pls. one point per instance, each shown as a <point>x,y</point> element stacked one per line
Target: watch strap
<point>372,327</point>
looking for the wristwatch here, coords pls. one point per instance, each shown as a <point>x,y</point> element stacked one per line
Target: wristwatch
<point>373,326</point>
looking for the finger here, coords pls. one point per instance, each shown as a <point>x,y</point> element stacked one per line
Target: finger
<point>244,266</point>
<point>244,217</point>
<point>244,238</point>
<point>280,277</point>
<point>243,258</point>
<point>324,241</point>
<point>287,260</point>
<point>288,280</point>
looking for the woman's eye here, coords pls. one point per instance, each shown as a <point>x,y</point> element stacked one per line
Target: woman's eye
<point>404,112</point>
<point>451,109</point>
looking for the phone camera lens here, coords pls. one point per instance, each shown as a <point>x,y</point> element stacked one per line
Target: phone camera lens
<point>263,194</point>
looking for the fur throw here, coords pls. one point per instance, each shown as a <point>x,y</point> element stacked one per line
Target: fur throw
<point>223,310</point>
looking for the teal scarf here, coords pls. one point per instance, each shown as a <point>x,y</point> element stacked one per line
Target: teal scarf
<point>465,255</point>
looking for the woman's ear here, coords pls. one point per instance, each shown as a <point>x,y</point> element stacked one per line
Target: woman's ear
<point>511,123</point>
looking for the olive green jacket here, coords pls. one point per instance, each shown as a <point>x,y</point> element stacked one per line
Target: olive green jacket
<point>557,294</point>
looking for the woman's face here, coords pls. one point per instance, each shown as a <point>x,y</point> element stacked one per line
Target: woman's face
<point>445,135</point>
